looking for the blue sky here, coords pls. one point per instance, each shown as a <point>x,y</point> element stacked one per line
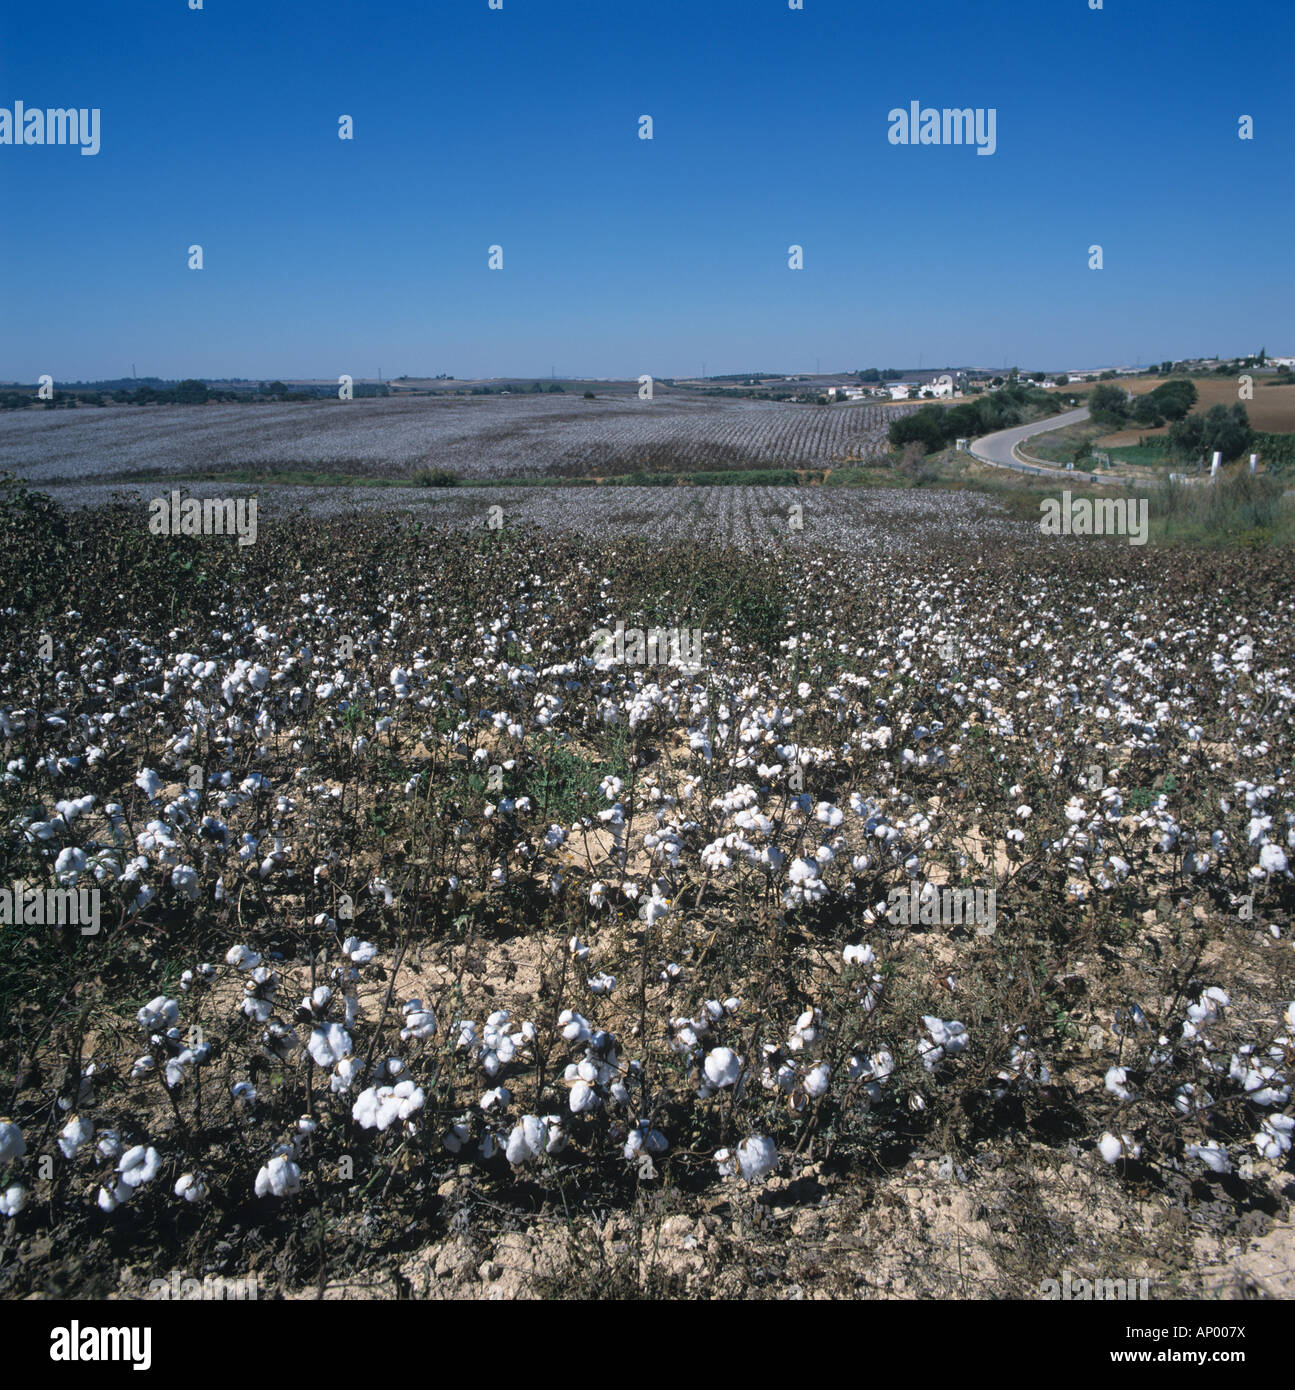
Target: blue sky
<point>622,256</point>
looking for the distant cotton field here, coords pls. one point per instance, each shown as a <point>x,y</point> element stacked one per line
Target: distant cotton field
<point>475,437</point>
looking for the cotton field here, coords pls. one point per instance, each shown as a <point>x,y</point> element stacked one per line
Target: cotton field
<point>441,952</point>
<point>475,437</point>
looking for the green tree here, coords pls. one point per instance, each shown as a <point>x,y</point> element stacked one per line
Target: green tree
<point>191,392</point>
<point>1108,406</point>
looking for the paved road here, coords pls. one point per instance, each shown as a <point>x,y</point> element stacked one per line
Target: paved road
<point>1000,449</point>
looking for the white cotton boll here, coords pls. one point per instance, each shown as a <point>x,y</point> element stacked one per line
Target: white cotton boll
<point>184,879</point>
<point>243,1090</point>
<point>344,1074</point>
<point>500,1096</point>
<point>12,1144</point>
<point>1213,1156</point>
<point>862,956</point>
<point>70,865</point>
<point>722,1067</point>
<point>192,1187</point>
<point>583,1097</point>
<point>12,1200</point>
<point>527,1140</point>
<point>644,1139</point>
<point>602,983</point>
<point>159,1012</point>
<point>1272,859</point>
<point>139,1165</point>
<point>280,1178</point>
<point>329,1044</point>
<point>149,783</point>
<point>1116,1083</point>
<point>575,1027</point>
<point>816,1080</point>
<point>242,958</point>
<point>419,1022</point>
<point>110,1198</point>
<point>75,1133</point>
<point>756,1158</point>
<point>1274,1137</point>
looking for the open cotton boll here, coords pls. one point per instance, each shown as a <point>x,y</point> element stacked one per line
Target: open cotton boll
<point>159,1012</point>
<point>139,1165</point>
<point>361,952</point>
<point>149,783</point>
<point>1112,1148</point>
<point>344,1074</point>
<point>12,1200</point>
<point>12,1144</point>
<point>1213,1156</point>
<point>583,1097</point>
<point>722,1067</point>
<point>329,1044</point>
<point>184,879</point>
<point>279,1178</point>
<point>242,958</point>
<point>192,1187</point>
<point>535,1136</point>
<point>1274,1137</point>
<point>419,1022</point>
<point>644,1139</point>
<point>381,1106</point>
<point>70,865</point>
<point>1116,1083</point>
<point>75,1133</point>
<point>816,1079</point>
<point>756,1158</point>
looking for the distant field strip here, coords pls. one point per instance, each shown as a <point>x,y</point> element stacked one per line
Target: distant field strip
<point>549,435</point>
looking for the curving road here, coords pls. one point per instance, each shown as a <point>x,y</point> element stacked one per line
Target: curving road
<point>1000,449</point>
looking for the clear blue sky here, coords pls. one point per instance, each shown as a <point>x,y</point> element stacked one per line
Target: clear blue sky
<point>623,256</point>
